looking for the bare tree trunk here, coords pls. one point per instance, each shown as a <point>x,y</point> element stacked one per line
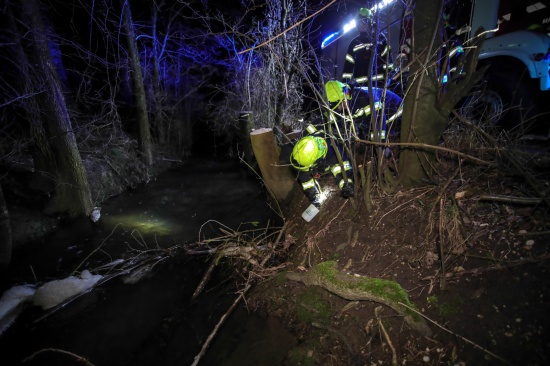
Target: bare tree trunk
<point>144,134</point>
<point>421,121</point>
<point>45,168</point>
<point>278,178</point>
<point>158,120</point>
<point>5,233</point>
<point>428,104</point>
<point>72,194</point>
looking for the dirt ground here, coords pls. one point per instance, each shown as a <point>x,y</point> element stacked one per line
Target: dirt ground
<point>486,303</point>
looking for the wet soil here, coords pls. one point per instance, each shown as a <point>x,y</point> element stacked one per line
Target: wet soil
<point>486,303</point>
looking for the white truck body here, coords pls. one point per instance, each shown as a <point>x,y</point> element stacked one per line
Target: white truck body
<point>530,46</point>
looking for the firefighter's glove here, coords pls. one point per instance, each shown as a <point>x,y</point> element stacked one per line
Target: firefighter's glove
<point>347,190</point>
<point>314,197</point>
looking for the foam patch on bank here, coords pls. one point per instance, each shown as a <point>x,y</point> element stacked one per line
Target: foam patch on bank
<point>47,296</point>
<point>55,292</point>
<point>12,303</point>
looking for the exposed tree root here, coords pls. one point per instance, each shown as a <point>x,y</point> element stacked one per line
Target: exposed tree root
<point>349,287</point>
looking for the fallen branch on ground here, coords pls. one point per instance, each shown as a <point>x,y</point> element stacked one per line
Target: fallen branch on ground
<point>510,199</point>
<point>204,280</point>
<point>528,233</point>
<point>256,247</point>
<point>531,180</point>
<point>377,312</point>
<point>498,266</point>
<point>217,327</point>
<point>229,250</point>
<point>457,335</point>
<point>78,358</point>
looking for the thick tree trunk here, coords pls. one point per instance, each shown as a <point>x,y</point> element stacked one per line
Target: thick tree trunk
<point>144,134</point>
<point>72,193</point>
<point>277,178</point>
<point>158,120</point>
<point>421,120</point>
<point>45,168</point>
<point>428,104</point>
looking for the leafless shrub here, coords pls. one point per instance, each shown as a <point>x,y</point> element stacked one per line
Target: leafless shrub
<point>266,80</point>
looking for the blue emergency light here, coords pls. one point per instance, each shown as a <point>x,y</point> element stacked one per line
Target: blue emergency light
<point>334,36</point>
<point>352,24</point>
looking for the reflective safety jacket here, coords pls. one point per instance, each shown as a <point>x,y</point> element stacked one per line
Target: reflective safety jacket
<point>327,165</point>
<point>385,102</point>
<point>357,69</point>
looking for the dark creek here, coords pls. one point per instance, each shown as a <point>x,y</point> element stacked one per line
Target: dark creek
<point>145,316</point>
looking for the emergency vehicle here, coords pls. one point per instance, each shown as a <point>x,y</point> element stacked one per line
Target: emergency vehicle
<point>516,52</point>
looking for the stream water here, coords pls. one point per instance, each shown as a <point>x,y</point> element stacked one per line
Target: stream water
<point>152,321</point>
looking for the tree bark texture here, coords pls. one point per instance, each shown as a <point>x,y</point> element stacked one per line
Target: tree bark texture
<point>421,121</point>
<point>429,103</point>
<point>158,119</point>
<point>278,178</point>
<point>43,158</point>
<point>144,133</point>
<point>72,194</point>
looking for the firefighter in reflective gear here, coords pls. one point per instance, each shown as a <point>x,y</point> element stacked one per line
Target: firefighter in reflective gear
<point>389,104</point>
<point>341,96</point>
<point>358,69</point>
<point>313,156</point>
<point>337,93</point>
